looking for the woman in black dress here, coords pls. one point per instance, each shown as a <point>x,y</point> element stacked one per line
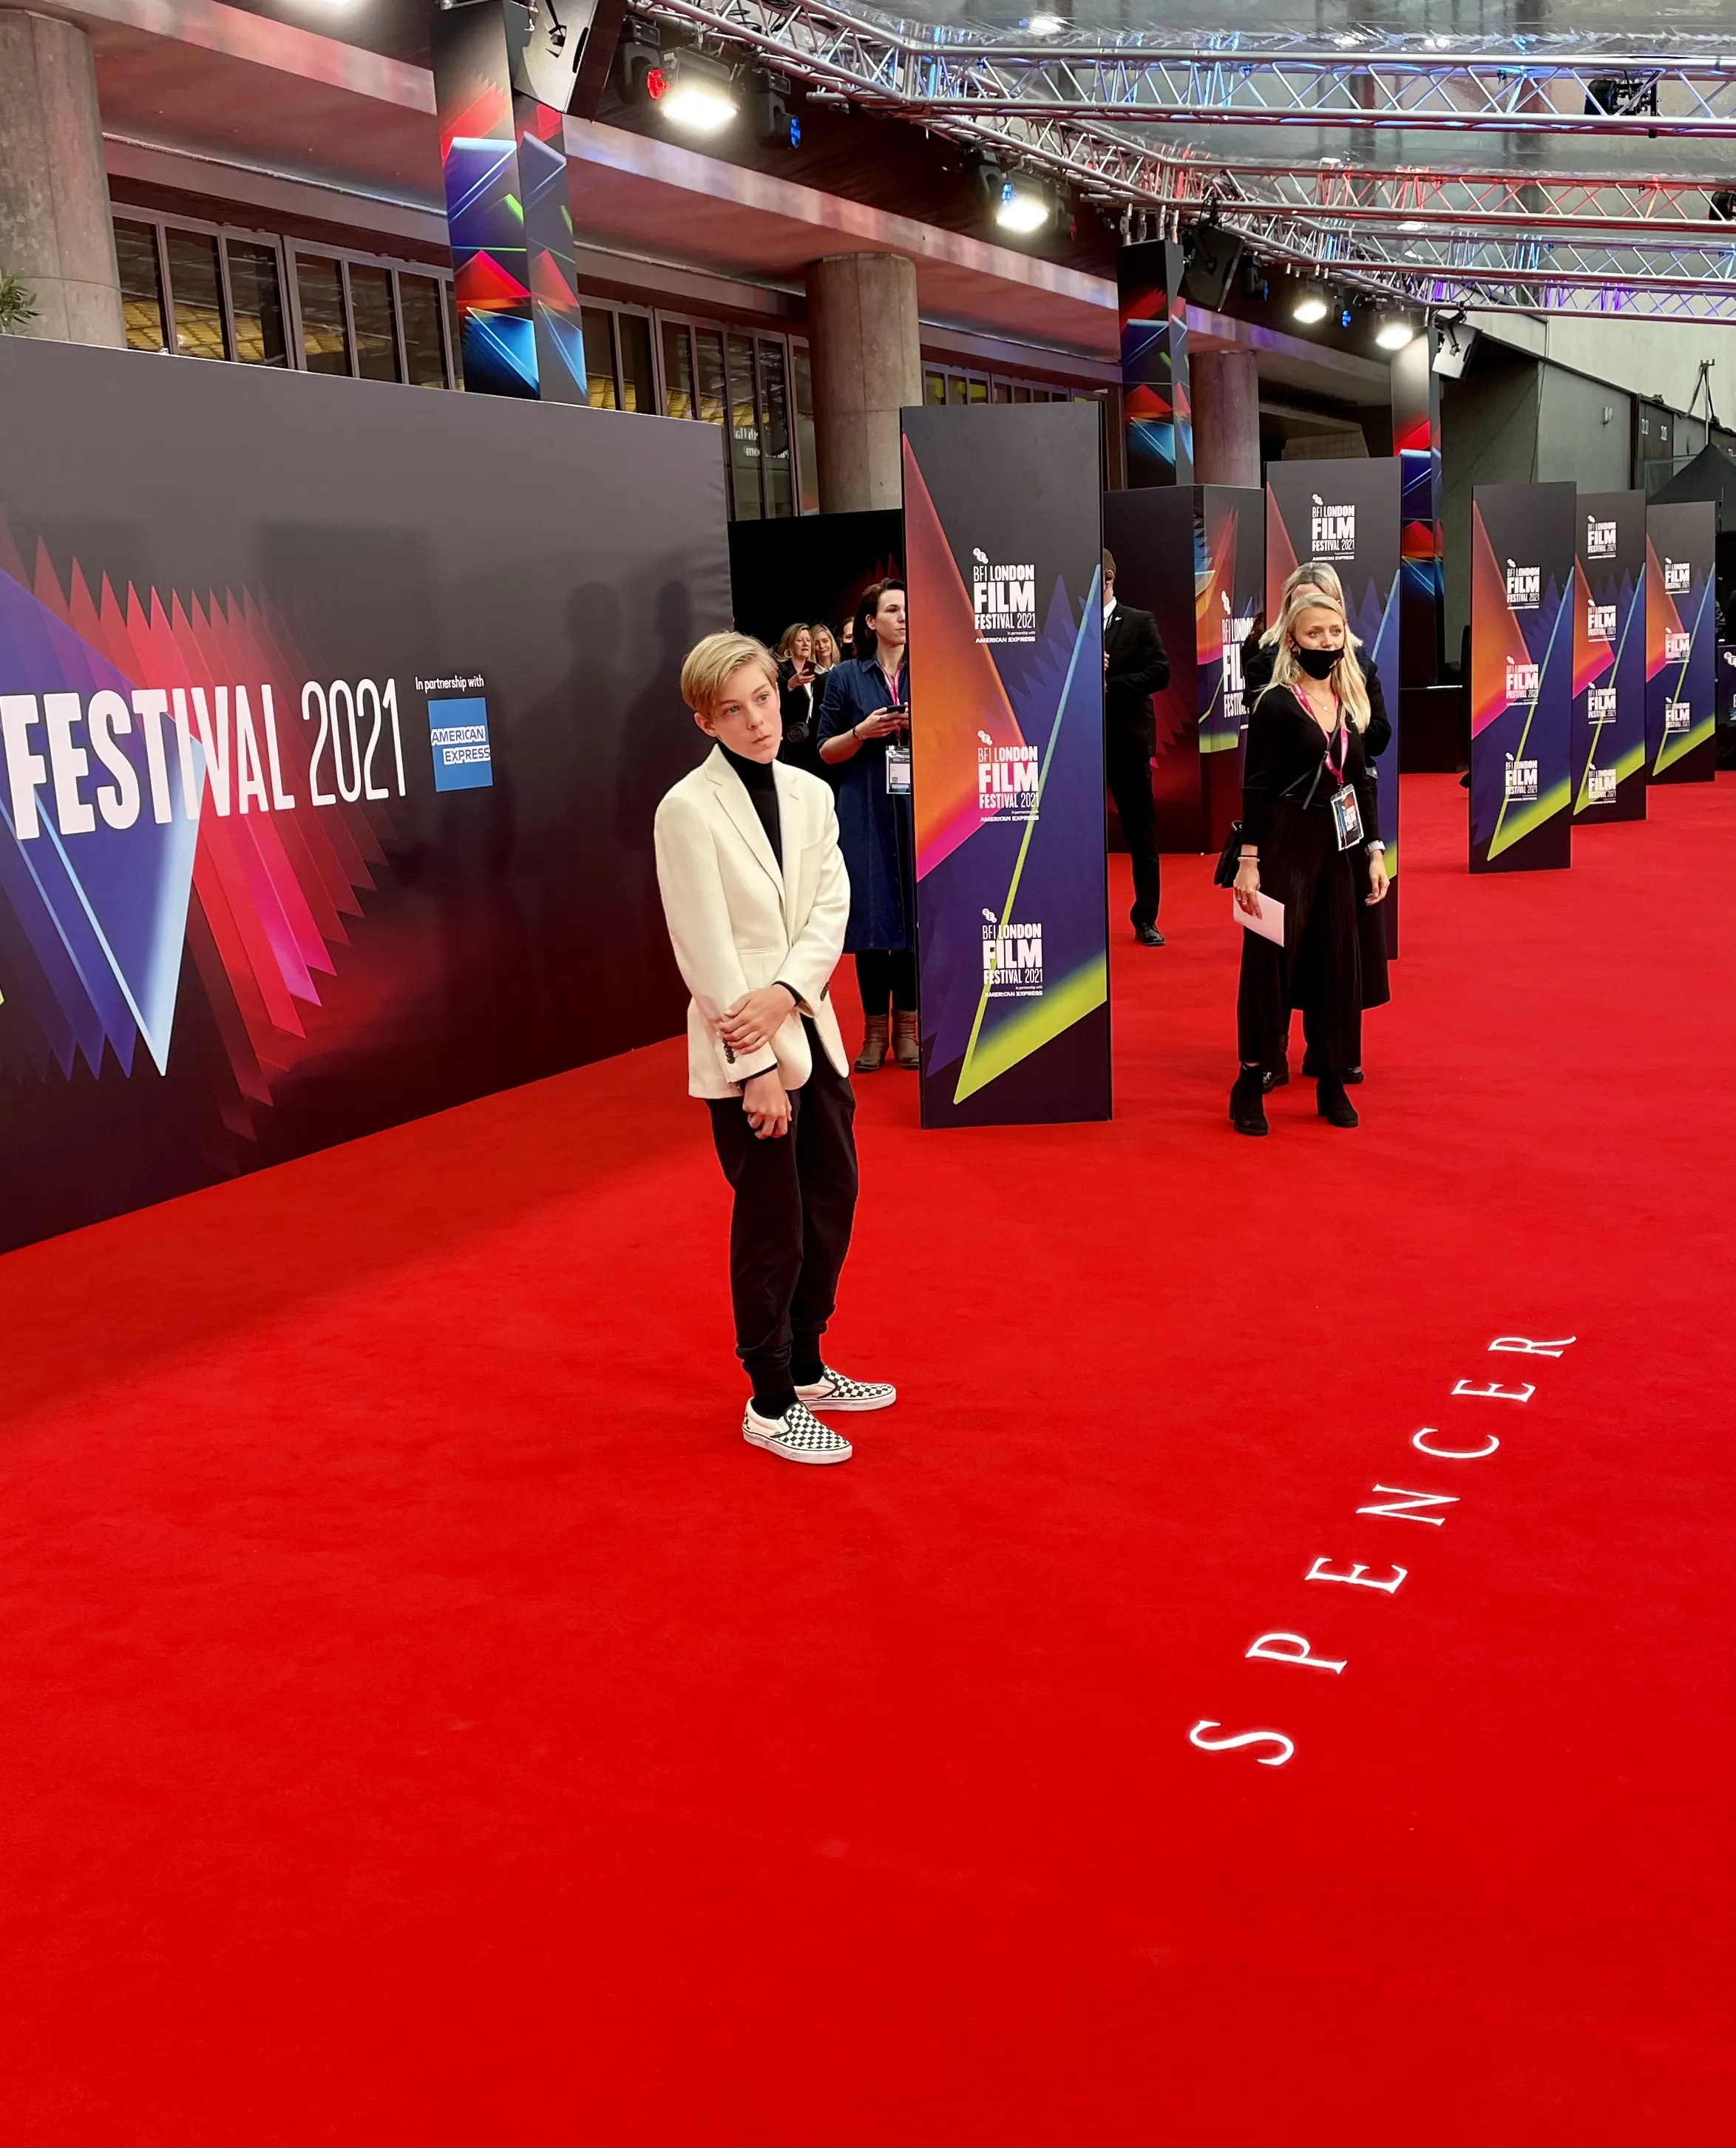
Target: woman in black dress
<point>799,689</point>
<point>1308,808</point>
<point>1259,653</point>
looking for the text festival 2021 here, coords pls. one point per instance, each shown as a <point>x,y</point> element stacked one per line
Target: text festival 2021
<point>1393,1502</point>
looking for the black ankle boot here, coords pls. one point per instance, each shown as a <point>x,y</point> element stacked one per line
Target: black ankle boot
<point>1336,1108</point>
<point>1247,1114</point>
<point>1277,1075</point>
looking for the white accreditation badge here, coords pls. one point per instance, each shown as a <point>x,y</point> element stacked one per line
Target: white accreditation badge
<point>1346,817</point>
<point>898,772</point>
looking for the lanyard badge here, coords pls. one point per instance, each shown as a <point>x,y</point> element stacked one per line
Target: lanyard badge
<point>898,772</point>
<point>1346,813</point>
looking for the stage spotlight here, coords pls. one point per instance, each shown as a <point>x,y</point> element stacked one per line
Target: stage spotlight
<point>1311,306</point>
<point>1394,332</point>
<point>773,119</point>
<point>1022,207</point>
<point>698,94</point>
<point>1046,25</point>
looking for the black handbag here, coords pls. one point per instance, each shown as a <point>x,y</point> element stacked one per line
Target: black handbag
<point>1229,860</point>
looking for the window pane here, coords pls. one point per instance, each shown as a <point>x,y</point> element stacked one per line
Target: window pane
<point>258,300</point>
<point>599,359</point>
<point>135,249</point>
<point>1003,391</point>
<point>419,299</point>
<point>934,388</point>
<point>708,344</point>
<point>454,340</point>
<point>370,302</point>
<point>639,383</point>
<point>1021,395</point>
<point>197,295</point>
<point>955,387</point>
<point>775,435</point>
<point>324,338</point>
<point>744,429</point>
<point>678,369</point>
<point>806,461</point>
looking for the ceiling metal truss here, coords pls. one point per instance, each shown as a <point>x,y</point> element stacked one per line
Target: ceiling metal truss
<point>1523,239</point>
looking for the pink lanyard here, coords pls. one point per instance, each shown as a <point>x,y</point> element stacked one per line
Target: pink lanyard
<point>1341,739</point>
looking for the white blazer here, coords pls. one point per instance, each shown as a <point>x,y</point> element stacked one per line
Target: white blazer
<point>736,922</point>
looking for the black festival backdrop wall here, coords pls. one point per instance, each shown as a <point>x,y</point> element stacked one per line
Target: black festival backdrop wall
<point>1681,641</point>
<point>335,717</point>
<point>1523,569</point>
<point>1609,658</point>
<point>812,570</point>
<point>1346,515</point>
<point>1004,533</point>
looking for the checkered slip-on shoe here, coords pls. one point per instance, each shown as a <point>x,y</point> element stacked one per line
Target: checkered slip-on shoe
<point>833,1391</point>
<point>798,1435</point>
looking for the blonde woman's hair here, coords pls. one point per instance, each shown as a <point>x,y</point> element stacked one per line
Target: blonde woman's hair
<point>712,663</point>
<point>1316,574</point>
<point>786,640</point>
<point>823,633</point>
<point>1312,594</point>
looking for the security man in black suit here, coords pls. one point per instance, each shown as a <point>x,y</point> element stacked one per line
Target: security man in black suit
<point>1135,667</point>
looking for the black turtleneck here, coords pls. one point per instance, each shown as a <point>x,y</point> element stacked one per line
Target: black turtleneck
<point>760,779</point>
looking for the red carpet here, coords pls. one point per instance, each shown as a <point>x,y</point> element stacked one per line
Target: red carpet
<point>427,1722</point>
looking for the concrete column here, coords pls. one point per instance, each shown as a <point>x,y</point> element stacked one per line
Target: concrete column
<point>1225,417</point>
<point>55,233</point>
<point>867,360</point>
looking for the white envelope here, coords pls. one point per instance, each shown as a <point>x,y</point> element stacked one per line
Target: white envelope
<point>1269,924</point>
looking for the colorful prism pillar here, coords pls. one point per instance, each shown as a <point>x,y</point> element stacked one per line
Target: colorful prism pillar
<point>1417,442</point>
<point>503,158</point>
<point>1156,406</point>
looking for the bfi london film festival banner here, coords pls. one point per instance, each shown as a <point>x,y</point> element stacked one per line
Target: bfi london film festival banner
<point>1346,515</point>
<point>1681,642</point>
<point>1609,658</point>
<point>334,715</point>
<point>1152,534</point>
<point>1229,557</point>
<point>1522,571</point>
<point>1193,556</point>
<point>1003,545</point>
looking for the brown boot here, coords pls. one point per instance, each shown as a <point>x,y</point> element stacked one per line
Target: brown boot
<point>907,1045</point>
<point>872,1056</point>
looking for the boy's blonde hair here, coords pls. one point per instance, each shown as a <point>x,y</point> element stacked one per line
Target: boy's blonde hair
<point>713,662</point>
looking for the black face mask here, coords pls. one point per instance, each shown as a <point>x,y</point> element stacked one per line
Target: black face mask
<point>1318,663</point>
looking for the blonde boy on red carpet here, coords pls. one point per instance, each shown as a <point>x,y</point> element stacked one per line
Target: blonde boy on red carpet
<point>756,898</point>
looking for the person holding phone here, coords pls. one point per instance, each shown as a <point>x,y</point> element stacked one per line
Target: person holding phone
<point>865,739</point>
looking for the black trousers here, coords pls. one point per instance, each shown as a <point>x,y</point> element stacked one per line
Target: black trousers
<point>882,975</point>
<point>795,1200</point>
<point>1127,764</point>
<point>1318,968</point>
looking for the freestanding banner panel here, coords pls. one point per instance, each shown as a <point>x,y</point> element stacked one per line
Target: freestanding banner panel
<point>1681,642</point>
<point>1346,514</point>
<point>1152,534</point>
<point>335,717</point>
<point>1229,557</point>
<point>1521,676</point>
<point>1193,556</point>
<point>1609,658</point>
<point>1003,536</point>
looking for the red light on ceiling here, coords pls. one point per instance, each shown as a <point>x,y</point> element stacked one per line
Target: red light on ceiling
<point>656,82</point>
